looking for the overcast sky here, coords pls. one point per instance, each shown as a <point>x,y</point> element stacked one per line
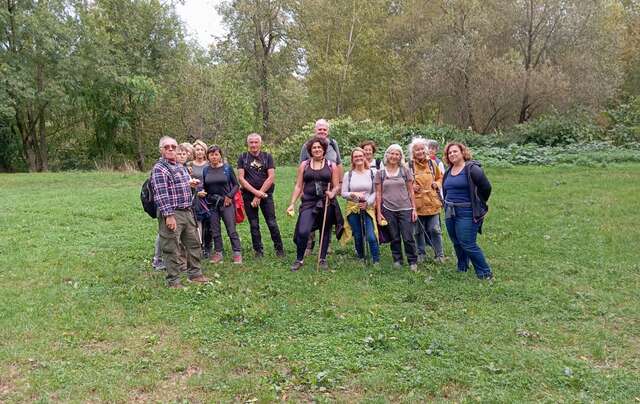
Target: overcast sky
<point>201,19</point>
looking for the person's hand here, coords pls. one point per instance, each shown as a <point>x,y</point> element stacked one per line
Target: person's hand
<point>362,205</point>
<point>330,194</point>
<point>255,202</point>
<point>434,185</point>
<point>202,194</point>
<point>227,201</point>
<point>416,187</point>
<point>194,182</point>
<point>357,196</point>
<point>263,195</point>
<point>381,218</point>
<point>414,215</point>
<point>170,221</point>
<point>291,210</point>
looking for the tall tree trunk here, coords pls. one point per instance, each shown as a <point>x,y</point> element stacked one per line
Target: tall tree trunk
<point>264,94</point>
<point>137,129</point>
<point>41,139</point>
<point>27,135</point>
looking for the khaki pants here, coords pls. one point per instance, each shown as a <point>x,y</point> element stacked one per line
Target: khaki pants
<point>186,233</point>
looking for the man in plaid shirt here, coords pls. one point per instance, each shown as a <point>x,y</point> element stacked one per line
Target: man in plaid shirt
<point>172,193</point>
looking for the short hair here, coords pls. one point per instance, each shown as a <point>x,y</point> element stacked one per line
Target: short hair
<point>359,149</point>
<point>214,148</point>
<point>415,142</point>
<point>254,135</point>
<point>322,121</point>
<point>369,143</point>
<point>186,146</point>
<point>391,148</point>
<point>317,139</point>
<point>163,140</point>
<point>464,150</point>
<point>201,144</point>
<point>433,144</point>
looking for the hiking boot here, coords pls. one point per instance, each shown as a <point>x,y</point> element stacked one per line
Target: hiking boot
<point>421,258</point>
<point>439,260</point>
<point>258,254</point>
<point>158,264</point>
<point>216,258</point>
<point>413,267</point>
<point>237,259</point>
<point>296,265</point>
<point>323,265</point>
<point>280,253</point>
<point>206,254</point>
<point>199,279</point>
<point>397,265</point>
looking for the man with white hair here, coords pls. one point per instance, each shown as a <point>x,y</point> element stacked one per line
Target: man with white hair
<point>176,224</point>
<point>257,173</point>
<point>332,154</point>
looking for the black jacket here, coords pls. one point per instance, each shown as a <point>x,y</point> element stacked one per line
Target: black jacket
<point>479,189</point>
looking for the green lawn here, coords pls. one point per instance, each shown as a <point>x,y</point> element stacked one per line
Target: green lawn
<point>84,318</point>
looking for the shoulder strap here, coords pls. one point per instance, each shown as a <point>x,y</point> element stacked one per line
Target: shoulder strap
<point>433,171</point>
<point>225,168</point>
<point>205,170</point>
<point>372,185</point>
<point>349,181</point>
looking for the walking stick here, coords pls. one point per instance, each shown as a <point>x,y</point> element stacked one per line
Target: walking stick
<point>324,222</point>
<point>364,237</point>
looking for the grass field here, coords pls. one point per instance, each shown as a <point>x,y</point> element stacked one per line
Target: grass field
<point>84,318</point>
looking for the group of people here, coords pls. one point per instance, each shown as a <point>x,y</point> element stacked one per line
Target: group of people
<point>395,200</point>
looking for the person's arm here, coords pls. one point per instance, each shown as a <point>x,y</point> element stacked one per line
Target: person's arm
<point>378,194</point>
<point>335,184</point>
<point>297,189</point>
<point>412,197</point>
<point>439,175</point>
<point>271,177</point>
<point>371,199</point>
<point>482,182</point>
<point>345,186</point>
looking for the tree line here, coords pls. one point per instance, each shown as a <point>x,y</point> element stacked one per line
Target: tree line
<point>97,82</point>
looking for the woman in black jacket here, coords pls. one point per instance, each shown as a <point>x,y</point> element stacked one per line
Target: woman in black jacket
<point>221,185</point>
<point>466,191</point>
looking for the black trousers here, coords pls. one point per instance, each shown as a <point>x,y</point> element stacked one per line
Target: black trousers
<point>401,231</point>
<point>267,206</point>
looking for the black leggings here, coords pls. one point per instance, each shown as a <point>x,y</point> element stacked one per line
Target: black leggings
<point>306,221</point>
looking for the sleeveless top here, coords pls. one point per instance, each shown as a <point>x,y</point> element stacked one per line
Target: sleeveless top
<point>314,183</point>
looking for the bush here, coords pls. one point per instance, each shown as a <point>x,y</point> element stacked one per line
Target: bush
<point>556,129</point>
<point>624,122</point>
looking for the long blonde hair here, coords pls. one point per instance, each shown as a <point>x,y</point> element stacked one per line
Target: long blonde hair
<point>359,149</point>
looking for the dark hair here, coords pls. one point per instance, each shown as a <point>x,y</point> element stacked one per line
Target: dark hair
<point>369,143</point>
<point>466,153</point>
<point>317,139</point>
<point>214,148</point>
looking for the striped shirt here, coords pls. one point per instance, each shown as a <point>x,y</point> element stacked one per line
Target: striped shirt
<point>171,189</point>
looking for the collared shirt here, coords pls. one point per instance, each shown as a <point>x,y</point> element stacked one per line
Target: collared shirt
<point>171,189</point>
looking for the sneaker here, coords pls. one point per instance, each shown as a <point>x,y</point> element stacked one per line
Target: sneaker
<point>439,260</point>
<point>413,267</point>
<point>237,259</point>
<point>421,258</point>
<point>397,265</point>
<point>258,254</point>
<point>323,265</point>
<point>280,253</point>
<point>158,264</point>
<point>199,279</point>
<point>206,254</point>
<point>296,265</point>
<point>217,258</point>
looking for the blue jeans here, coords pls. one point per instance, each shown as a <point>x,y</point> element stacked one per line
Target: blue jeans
<point>356,230</point>
<point>430,226</point>
<point>463,232</point>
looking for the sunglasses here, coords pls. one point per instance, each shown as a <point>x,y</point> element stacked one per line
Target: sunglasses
<point>170,147</point>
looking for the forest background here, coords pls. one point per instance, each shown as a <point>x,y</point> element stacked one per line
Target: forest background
<point>88,84</point>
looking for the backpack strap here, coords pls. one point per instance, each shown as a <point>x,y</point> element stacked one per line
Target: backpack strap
<point>372,185</point>
<point>349,181</point>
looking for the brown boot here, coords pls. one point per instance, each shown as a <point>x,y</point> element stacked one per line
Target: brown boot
<point>199,279</point>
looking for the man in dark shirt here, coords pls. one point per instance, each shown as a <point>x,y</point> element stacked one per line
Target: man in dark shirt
<point>256,173</point>
<point>172,193</point>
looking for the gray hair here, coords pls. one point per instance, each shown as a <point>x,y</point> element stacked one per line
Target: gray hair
<point>163,140</point>
<point>391,148</point>
<point>432,144</point>
<point>415,142</point>
<point>322,121</point>
<point>255,135</point>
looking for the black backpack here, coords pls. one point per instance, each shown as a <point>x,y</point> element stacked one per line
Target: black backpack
<point>146,196</point>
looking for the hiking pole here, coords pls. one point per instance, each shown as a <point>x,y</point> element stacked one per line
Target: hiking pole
<point>324,222</point>
<point>364,237</point>
<point>426,235</point>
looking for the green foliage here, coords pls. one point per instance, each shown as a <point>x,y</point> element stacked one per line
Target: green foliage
<point>556,129</point>
<point>624,122</point>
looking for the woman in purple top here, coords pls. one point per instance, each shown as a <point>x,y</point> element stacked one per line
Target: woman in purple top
<point>466,192</point>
